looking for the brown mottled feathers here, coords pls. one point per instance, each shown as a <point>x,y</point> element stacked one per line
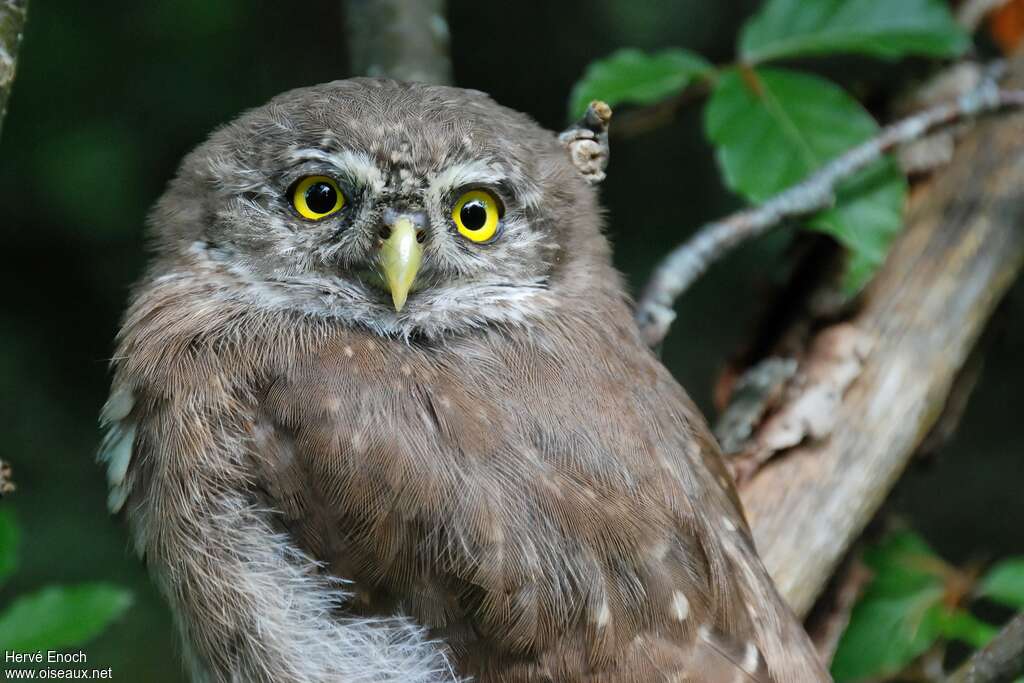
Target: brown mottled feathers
<point>548,501</point>
<point>517,474</point>
<point>539,508</point>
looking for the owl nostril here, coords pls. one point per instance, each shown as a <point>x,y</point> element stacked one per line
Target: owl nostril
<point>384,232</point>
<point>421,236</point>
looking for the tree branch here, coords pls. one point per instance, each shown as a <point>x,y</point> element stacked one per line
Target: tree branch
<point>688,261</point>
<point>1001,661</point>
<point>402,39</point>
<point>947,271</point>
<point>12,23</point>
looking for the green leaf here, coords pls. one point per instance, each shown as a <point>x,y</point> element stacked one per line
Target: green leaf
<point>61,616</point>
<point>8,544</point>
<point>885,635</point>
<point>866,219</point>
<point>772,128</point>
<point>630,75</point>
<point>962,625</point>
<point>890,29</point>
<point>900,614</point>
<point>1004,583</point>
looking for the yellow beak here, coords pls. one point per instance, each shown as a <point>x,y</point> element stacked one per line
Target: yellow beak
<point>400,258</point>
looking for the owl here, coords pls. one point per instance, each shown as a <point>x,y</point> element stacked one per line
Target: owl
<point>380,412</point>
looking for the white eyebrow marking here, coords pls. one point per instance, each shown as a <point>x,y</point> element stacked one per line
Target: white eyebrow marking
<point>356,164</point>
<point>465,173</point>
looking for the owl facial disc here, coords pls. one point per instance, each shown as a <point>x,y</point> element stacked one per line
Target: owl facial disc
<point>400,257</point>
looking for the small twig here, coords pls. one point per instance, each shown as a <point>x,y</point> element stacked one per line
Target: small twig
<point>402,39</point>
<point>1001,661</point>
<point>641,120</point>
<point>688,261</point>
<point>587,141</point>
<point>12,23</point>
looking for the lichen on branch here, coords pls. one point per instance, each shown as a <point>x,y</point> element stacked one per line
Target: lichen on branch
<point>12,23</point>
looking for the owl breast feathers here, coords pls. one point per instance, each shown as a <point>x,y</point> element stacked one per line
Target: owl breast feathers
<point>380,413</point>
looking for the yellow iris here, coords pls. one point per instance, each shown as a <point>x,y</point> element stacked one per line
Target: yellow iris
<point>316,197</point>
<point>476,215</point>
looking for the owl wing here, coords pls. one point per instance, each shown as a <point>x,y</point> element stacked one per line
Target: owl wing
<point>549,503</point>
<point>248,602</point>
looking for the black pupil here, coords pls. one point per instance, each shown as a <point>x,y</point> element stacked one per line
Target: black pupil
<point>473,214</point>
<point>321,197</point>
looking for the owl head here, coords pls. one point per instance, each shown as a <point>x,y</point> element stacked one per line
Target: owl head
<point>406,208</point>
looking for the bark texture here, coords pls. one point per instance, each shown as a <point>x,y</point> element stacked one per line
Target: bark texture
<point>1001,661</point>
<point>963,247</point>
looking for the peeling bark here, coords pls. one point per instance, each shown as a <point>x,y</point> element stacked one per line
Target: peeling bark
<point>962,249</point>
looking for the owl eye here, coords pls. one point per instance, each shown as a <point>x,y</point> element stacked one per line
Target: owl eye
<point>476,215</point>
<point>316,197</point>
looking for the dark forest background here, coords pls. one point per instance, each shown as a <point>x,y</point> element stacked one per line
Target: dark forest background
<point>111,95</point>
